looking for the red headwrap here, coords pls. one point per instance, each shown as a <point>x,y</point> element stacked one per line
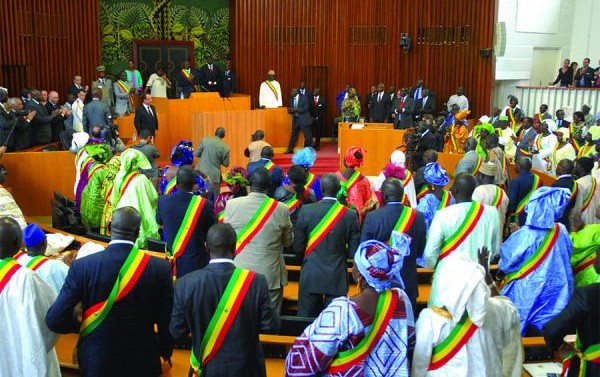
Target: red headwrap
<point>354,157</point>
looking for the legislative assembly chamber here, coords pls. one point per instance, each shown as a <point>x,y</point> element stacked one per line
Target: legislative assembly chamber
<point>227,188</point>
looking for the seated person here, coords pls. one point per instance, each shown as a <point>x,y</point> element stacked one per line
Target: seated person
<point>8,206</point>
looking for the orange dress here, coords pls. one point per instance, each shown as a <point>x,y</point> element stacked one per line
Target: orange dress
<point>457,138</point>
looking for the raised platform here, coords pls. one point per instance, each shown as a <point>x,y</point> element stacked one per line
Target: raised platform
<point>327,160</point>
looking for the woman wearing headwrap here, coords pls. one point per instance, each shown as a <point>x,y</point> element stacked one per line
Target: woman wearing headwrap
<point>543,145</point>
<point>535,261</point>
<point>563,150</point>
<point>306,157</point>
<point>181,154</point>
<point>457,134</point>
<point>355,186</point>
<point>131,188</point>
<point>237,183</point>
<point>489,345</point>
<point>87,160</point>
<point>331,345</point>
<point>92,197</point>
<point>396,168</point>
<point>112,168</point>
<point>436,197</point>
<point>295,194</point>
<point>481,133</point>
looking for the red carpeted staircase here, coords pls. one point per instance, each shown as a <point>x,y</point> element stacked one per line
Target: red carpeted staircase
<point>328,160</point>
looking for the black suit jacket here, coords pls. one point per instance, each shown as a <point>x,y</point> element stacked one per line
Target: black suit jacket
<point>568,183</point>
<point>319,110</point>
<point>21,133</point>
<point>207,75</point>
<point>429,107</point>
<point>563,124</point>
<point>196,298</point>
<point>170,213</point>
<point>41,124</point>
<point>404,118</point>
<point>380,110</point>
<point>324,270</point>
<point>143,119</point>
<point>228,83</point>
<point>379,224</point>
<point>125,344</point>
<point>300,118</point>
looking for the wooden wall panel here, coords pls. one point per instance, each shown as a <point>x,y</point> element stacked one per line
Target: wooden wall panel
<point>44,42</point>
<point>367,57</point>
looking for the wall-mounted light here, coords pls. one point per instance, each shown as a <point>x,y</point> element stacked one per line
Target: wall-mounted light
<point>405,41</point>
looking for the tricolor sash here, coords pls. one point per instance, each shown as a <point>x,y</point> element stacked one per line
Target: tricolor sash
<point>405,182</point>
<point>538,256</point>
<point>536,185</point>
<point>538,142</point>
<point>293,203</point>
<point>498,196</point>
<point>324,226</point>
<point>445,200</point>
<point>343,361</point>
<point>453,138</point>
<point>590,355</point>
<point>269,165</point>
<point>187,75</point>
<point>188,224</point>
<point>525,152</point>
<point>511,118</point>
<point>8,267</point>
<point>94,169</point>
<point>539,115</point>
<point>170,186</point>
<point>478,166</point>
<point>576,144</point>
<point>18,255</point>
<point>310,180</point>
<point>220,323</point>
<point>405,221</point>
<point>128,275</point>
<point>86,166</point>
<point>126,181</point>
<point>454,342</point>
<point>588,199</point>
<point>466,227</point>
<point>574,192</point>
<point>586,150</point>
<point>584,263</point>
<point>273,89</point>
<point>422,192</point>
<point>263,213</point>
<point>352,180</point>
<point>221,216</point>
<point>37,262</point>
<point>123,85</point>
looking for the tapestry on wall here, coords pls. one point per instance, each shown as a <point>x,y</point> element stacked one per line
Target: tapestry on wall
<point>204,23</point>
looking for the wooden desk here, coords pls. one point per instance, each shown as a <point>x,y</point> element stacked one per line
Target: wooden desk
<point>278,128</point>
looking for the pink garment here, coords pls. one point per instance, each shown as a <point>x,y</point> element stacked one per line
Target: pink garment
<point>360,194</point>
<point>395,171</point>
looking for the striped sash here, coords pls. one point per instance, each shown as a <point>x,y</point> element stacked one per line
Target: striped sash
<point>588,199</point>
<point>466,227</point>
<point>454,342</point>
<point>324,226</point>
<point>260,217</point>
<point>187,227</point>
<point>273,89</point>
<point>405,221</point>
<point>8,267</point>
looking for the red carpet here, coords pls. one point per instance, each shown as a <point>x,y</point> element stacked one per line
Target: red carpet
<point>328,160</point>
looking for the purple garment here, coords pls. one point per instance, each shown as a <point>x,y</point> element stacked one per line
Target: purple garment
<point>83,181</point>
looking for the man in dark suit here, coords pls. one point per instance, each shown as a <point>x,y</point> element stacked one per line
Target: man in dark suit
<point>318,109</point>
<point>228,79</point>
<point>21,121</point>
<point>210,76</point>
<point>301,120</point>
<point>303,91</point>
<point>171,212</point>
<point>520,186</point>
<point>77,85</point>
<point>125,342</point>
<point>428,141</point>
<point>425,104</point>
<point>416,92</point>
<point>380,106</point>
<point>58,123</point>
<point>41,124</point>
<point>560,119</point>
<point>275,172</point>
<point>564,179</point>
<point>96,113</point>
<point>324,276</point>
<point>145,116</point>
<point>379,224</point>
<point>584,77</point>
<point>403,108</point>
<point>185,81</point>
<point>197,296</point>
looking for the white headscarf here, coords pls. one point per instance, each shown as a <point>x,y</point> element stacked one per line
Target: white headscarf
<point>462,287</point>
<point>398,158</point>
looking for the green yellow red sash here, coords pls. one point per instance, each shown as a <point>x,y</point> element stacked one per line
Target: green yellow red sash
<point>255,224</point>
<point>538,257</point>
<point>536,185</point>
<point>310,180</point>
<point>123,85</point>
<point>187,75</point>
<point>405,221</point>
<point>269,165</point>
<point>352,180</point>
<point>405,182</point>
<point>107,215</point>
<point>422,192</point>
<point>478,166</point>
<point>574,141</point>
<point>18,255</point>
<point>343,361</point>
<point>525,152</point>
<point>324,226</point>
<point>574,192</point>
<point>294,202</point>
<point>587,150</point>
<point>466,227</point>
<point>498,196</point>
<point>511,118</point>
<point>37,262</point>
<point>8,267</point>
<point>453,137</point>
<point>94,169</point>
<point>170,186</point>
<point>590,355</point>
<point>538,142</point>
<point>454,342</point>
<point>588,199</point>
<point>273,89</point>
<point>584,263</point>
<point>188,224</point>
<point>540,117</point>
<point>128,275</point>
<point>221,216</point>
<point>445,200</point>
<point>227,309</point>
<point>126,181</point>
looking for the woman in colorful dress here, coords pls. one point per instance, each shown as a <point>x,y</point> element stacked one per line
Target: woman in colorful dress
<point>237,183</point>
<point>182,154</point>
<point>563,150</point>
<point>355,186</point>
<point>436,197</point>
<point>396,168</point>
<point>306,158</point>
<point>339,341</point>
<point>295,194</point>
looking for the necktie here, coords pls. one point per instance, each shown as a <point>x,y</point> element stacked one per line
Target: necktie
<point>149,110</point>
<point>379,96</point>
<point>316,101</point>
<point>210,67</point>
<point>424,101</point>
<point>295,101</point>
<point>559,123</point>
<point>417,93</point>
<point>401,103</point>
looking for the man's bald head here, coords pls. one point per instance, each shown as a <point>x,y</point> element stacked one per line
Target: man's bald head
<point>125,224</point>
<point>221,240</point>
<point>430,155</point>
<point>267,152</point>
<point>330,185</point>
<point>523,164</point>
<point>186,178</point>
<point>463,187</point>
<point>260,180</point>
<point>11,237</point>
<point>392,190</point>
<point>565,166</point>
<point>470,144</point>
